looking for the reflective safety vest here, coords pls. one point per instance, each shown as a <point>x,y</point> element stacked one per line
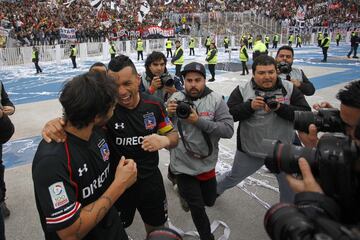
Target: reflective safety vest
<point>215,58</point>
<point>192,43</point>
<point>276,38</point>
<point>208,42</point>
<point>320,36</point>
<point>338,36</point>
<point>168,44</point>
<point>73,52</point>
<point>250,39</point>
<point>226,41</point>
<point>267,39</point>
<point>33,55</point>
<point>328,42</point>
<point>299,39</point>
<point>111,50</point>
<point>243,58</point>
<point>291,38</point>
<point>140,46</point>
<point>259,46</point>
<point>180,61</point>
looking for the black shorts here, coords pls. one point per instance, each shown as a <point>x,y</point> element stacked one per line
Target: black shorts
<point>148,197</point>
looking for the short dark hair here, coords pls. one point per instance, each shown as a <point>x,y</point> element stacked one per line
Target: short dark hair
<point>350,95</point>
<point>86,96</point>
<point>153,57</point>
<point>120,62</point>
<point>263,60</point>
<point>177,41</point>
<point>285,47</point>
<point>97,64</point>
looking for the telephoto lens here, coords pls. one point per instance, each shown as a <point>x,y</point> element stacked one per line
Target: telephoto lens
<point>285,221</point>
<point>325,120</point>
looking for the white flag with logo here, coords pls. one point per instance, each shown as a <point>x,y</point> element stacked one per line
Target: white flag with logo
<point>168,2</point>
<point>144,10</point>
<point>96,4</point>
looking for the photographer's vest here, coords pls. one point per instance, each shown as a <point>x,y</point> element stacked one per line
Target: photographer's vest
<point>294,74</point>
<point>140,46</point>
<point>338,37</point>
<point>168,44</point>
<point>180,61</point>
<point>250,39</point>
<point>215,58</point>
<point>243,58</point>
<point>299,39</point>
<point>291,38</point>
<point>181,162</point>
<point>265,125</point>
<point>208,42</point>
<point>192,43</point>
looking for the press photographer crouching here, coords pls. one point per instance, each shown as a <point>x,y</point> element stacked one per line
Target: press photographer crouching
<point>326,206</point>
<point>285,59</point>
<point>156,80</point>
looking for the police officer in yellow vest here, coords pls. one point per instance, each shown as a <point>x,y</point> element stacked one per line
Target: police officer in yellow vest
<point>178,58</point>
<point>168,46</point>
<point>140,49</point>
<point>226,43</point>
<point>244,57</point>
<point>298,41</point>
<point>325,44</point>
<point>267,41</point>
<point>35,59</point>
<point>73,53</point>
<point>250,42</point>
<point>259,47</point>
<point>207,43</point>
<point>212,58</point>
<point>192,46</point>
<point>112,50</point>
<point>291,39</point>
<point>319,38</point>
<point>275,41</point>
<point>338,38</point>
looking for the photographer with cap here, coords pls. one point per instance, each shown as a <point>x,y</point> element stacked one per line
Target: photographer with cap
<point>201,118</point>
<point>156,80</point>
<point>285,59</point>
<point>327,199</point>
<point>265,108</point>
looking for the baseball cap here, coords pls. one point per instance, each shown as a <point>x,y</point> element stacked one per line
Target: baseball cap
<point>194,67</point>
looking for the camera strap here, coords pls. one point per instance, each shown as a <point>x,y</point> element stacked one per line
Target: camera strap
<point>187,147</point>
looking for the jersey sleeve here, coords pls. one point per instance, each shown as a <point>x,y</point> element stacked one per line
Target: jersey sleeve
<point>165,125</point>
<point>55,193</point>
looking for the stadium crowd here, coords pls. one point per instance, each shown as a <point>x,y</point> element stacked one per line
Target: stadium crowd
<point>38,22</point>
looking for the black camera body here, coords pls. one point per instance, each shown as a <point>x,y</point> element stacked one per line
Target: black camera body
<point>284,67</point>
<point>325,120</point>
<point>167,80</point>
<point>183,109</point>
<point>269,99</point>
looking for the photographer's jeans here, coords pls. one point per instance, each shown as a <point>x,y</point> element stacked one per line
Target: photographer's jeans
<point>245,165</point>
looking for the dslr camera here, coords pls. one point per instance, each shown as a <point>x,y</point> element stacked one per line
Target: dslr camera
<point>325,120</point>
<point>167,80</point>
<point>183,109</point>
<point>269,99</point>
<point>284,67</point>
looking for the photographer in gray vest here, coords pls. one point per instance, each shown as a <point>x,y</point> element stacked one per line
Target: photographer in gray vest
<point>201,118</point>
<point>285,59</point>
<point>156,80</point>
<point>264,108</point>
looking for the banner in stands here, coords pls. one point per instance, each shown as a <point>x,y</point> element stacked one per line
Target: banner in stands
<point>158,32</point>
<point>300,13</point>
<point>68,34</point>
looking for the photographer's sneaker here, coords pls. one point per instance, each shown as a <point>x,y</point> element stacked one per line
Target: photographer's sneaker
<point>183,203</point>
<point>5,210</point>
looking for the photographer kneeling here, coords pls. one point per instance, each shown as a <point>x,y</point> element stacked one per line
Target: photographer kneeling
<point>156,80</point>
<point>324,204</point>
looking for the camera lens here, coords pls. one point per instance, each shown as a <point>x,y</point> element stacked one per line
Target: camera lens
<point>272,104</point>
<point>285,221</point>
<point>302,120</point>
<point>170,82</point>
<point>183,110</point>
<point>284,157</point>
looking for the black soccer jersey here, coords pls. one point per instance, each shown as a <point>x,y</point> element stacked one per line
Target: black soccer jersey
<point>128,127</point>
<point>68,176</point>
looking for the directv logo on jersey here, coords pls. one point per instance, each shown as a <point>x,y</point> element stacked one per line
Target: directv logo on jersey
<point>96,183</point>
<point>117,125</point>
<point>130,141</point>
